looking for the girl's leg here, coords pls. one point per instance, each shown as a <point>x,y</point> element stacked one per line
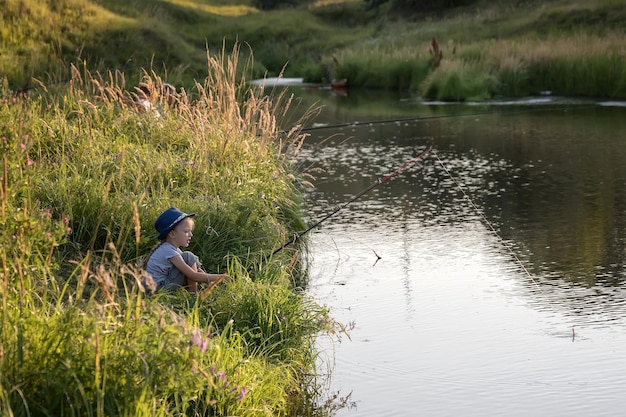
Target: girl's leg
<point>177,279</point>
<point>192,260</point>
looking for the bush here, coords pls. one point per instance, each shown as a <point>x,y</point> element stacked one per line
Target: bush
<point>455,81</point>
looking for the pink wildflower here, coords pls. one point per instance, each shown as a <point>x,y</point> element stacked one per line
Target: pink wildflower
<point>196,338</point>
<point>242,393</point>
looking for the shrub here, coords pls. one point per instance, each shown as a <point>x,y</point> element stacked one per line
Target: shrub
<point>455,81</point>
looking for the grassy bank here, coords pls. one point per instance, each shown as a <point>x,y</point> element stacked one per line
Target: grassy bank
<point>506,48</point>
<point>83,176</point>
<point>499,50</point>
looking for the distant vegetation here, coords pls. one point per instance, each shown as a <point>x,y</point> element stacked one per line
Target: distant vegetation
<point>488,48</point>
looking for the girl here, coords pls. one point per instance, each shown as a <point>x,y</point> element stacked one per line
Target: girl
<point>169,266</point>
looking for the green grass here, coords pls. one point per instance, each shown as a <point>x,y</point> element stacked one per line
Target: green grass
<point>83,176</point>
<point>374,48</point>
<point>499,49</point>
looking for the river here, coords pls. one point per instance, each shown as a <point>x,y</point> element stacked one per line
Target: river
<point>485,280</point>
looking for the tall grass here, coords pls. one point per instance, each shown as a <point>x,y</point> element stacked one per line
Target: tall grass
<point>493,50</point>
<point>380,66</point>
<point>83,176</point>
<point>583,64</point>
<point>375,48</point>
<point>41,40</point>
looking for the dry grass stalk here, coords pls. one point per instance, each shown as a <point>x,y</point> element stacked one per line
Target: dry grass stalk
<point>436,53</point>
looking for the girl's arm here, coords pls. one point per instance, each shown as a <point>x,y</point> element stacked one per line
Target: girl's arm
<point>191,273</point>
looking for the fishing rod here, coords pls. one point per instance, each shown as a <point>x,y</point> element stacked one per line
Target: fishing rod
<point>337,209</point>
<point>425,118</point>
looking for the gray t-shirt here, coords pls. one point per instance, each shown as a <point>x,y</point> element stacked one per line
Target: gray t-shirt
<point>159,265</point>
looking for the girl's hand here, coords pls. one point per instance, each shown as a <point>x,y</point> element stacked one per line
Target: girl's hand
<point>216,277</point>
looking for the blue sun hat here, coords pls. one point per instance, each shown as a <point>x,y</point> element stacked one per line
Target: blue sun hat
<point>168,220</point>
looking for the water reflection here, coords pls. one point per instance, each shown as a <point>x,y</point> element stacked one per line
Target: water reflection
<point>446,316</point>
<point>552,183</point>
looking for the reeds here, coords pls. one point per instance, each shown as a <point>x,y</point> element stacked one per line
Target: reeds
<point>580,65</point>
<point>487,52</point>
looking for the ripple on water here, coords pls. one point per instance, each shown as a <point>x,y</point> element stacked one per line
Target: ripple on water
<point>447,322</point>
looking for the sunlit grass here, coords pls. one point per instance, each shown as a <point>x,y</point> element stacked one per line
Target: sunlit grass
<point>575,65</point>
<point>375,48</point>
<point>83,175</point>
<point>477,65</point>
<point>502,48</point>
<point>323,3</point>
<point>232,10</point>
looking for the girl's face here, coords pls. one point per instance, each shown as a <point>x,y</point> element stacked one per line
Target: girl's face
<point>182,233</point>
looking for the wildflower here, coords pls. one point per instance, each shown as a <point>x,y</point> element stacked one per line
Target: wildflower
<point>196,338</point>
<point>198,341</point>
<point>184,161</point>
<point>242,394</point>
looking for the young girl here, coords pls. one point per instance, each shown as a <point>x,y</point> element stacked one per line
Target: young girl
<point>168,265</point>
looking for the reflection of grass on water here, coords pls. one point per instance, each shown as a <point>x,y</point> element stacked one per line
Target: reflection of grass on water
<point>83,175</point>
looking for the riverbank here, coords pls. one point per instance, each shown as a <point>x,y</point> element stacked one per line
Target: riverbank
<point>486,50</point>
<point>85,172</point>
<point>489,50</point>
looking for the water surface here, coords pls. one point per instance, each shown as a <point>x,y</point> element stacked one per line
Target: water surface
<point>489,279</point>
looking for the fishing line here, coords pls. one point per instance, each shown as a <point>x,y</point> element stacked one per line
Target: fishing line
<point>486,221</point>
<point>424,118</point>
<point>337,209</point>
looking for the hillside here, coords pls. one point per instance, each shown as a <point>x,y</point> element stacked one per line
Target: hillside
<point>41,39</point>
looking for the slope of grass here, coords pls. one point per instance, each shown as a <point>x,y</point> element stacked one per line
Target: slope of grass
<point>83,175</point>
<point>41,41</point>
<point>391,51</point>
